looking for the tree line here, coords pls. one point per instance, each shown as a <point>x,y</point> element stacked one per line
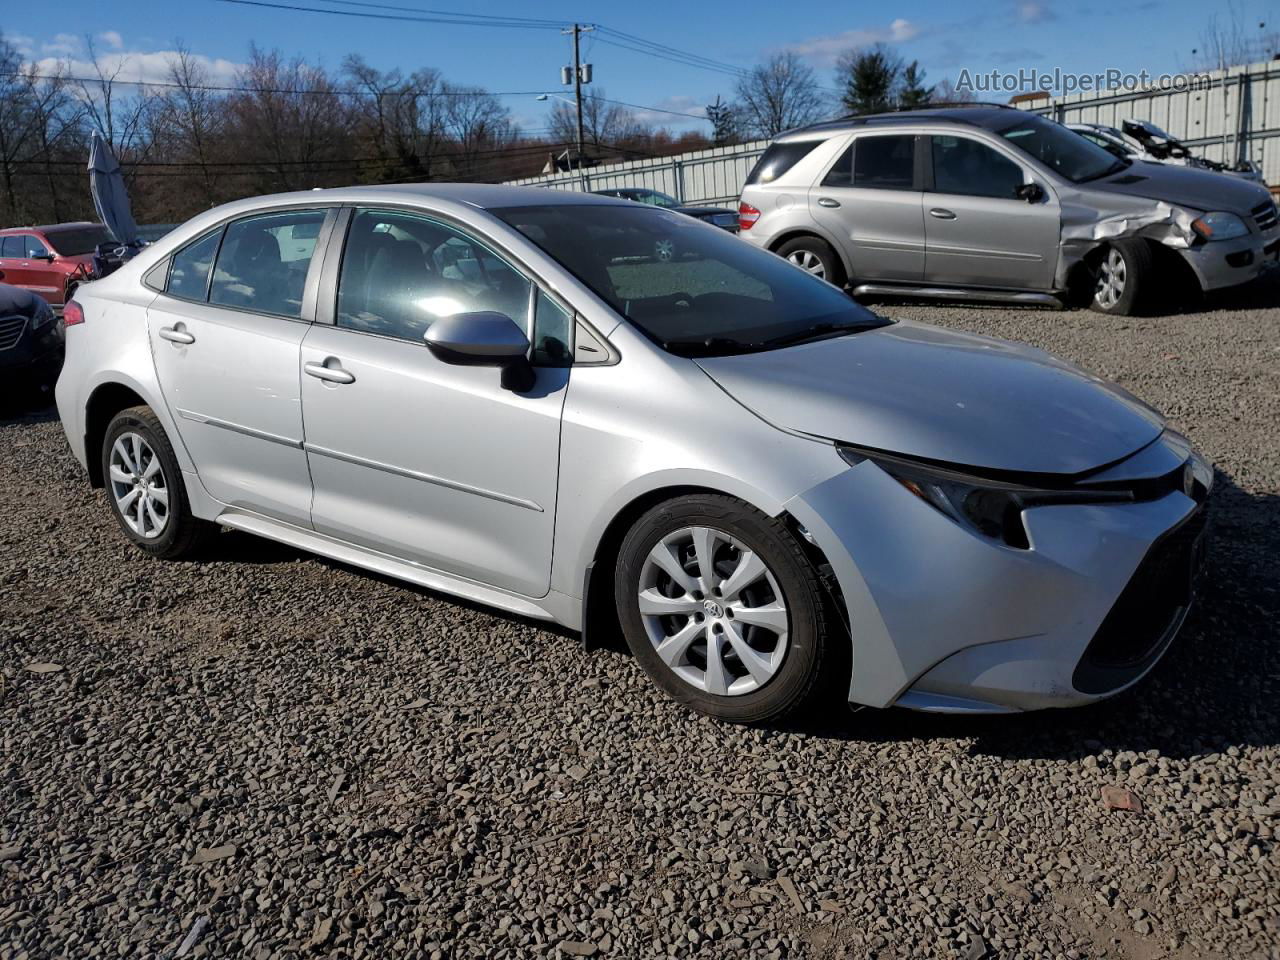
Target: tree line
<point>188,141</point>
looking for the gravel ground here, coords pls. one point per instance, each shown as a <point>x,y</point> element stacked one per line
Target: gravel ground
<point>269,755</point>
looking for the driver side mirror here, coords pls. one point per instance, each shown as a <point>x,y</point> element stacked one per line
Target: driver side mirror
<point>1030,192</point>
<point>484,338</point>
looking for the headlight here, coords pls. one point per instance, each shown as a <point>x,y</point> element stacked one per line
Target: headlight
<point>989,508</point>
<point>1220,226</point>
<point>43,316</point>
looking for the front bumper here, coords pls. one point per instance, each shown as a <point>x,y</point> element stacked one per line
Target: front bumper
<point>1229,263</point>
<point>30,368</point>
<point>944,619</point>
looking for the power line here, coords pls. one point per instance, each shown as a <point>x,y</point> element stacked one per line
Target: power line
<point>531,21</point>
<point>455,19</point>
<point>662,51</point>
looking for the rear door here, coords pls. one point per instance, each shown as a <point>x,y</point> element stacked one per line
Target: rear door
<point>870,200</point>
<point>226,335</point>
<point>978,232</point>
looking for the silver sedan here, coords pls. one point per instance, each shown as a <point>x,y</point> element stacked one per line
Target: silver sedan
<point>774,494</point>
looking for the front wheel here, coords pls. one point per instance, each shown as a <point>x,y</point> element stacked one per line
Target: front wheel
<point>145,489</point>
<point>722,609</point>
<point>1121,277</point>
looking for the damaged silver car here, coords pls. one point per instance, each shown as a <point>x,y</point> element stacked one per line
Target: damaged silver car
<point>994,203</point>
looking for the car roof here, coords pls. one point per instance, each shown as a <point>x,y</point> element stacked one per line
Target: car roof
<point>989,116</point>
<point>483,195</point>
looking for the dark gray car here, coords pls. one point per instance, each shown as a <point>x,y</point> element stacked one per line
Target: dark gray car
<point>995,203</point>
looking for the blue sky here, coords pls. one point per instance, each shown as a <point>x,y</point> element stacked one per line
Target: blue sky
<point>944,35</point>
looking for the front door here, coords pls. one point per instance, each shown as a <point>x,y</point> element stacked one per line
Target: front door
<point>18,253</point>
<point>226,341</point>
<point>422,460</point>
<point>978,232</point>
<point>870,202</point>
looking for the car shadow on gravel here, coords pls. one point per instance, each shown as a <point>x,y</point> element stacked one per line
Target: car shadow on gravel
<point>14,412</point>
<point>1215,689</point>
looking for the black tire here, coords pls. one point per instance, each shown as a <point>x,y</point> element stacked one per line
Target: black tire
<point>815,247</point>
<point>809,647</point>
<point>1136,259</point>
<point>183,533</point>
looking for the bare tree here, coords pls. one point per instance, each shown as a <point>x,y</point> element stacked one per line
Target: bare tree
<point>1230,39</point>
<point>778,95</point>
<point>603,123</point>
<point>478,124</point>
<point>188,125</point>
<point>401,120</point>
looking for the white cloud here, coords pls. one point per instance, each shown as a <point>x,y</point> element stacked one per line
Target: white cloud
<point>827,48</point>
<point>112,39</point>
<point>62,45</point>
<point>150,67</point>
<point>1033,11</point>
<point>21,42</point>
<point>676,104</point>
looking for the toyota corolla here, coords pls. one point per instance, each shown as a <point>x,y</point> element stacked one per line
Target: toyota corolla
<point>497,393</point>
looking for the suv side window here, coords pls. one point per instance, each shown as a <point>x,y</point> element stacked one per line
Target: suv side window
<point>189,275</point>
<point>885,162</point>
<point>967,167</point>
<point>778,159</point>
<point>263,262</point>
<point>35,248</point>
<point>401,271</point>
<point>13,247</point>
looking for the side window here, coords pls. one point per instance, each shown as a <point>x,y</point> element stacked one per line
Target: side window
<point>13,247</point>
<point>189,275</point>
<point>778,159</point>
<point>401,271</point>
<point>967,167</point>
<point>552,339</point>
<point>35,248</point>
<point>262,265</point>
<point>884,162</point>
<point>841,172</point>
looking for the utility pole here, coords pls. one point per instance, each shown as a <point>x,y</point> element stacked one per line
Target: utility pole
<point>578,79</point>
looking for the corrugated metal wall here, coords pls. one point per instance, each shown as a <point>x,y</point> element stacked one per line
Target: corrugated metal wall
<point>1249,117</point>
<point>1250,120</point>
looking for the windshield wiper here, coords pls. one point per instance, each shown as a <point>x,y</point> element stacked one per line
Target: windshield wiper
<point>709,346</point>
<point>817,331</point>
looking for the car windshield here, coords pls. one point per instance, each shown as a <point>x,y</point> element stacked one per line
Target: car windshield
<point>77,241</point>
<point>655,199</point>
<point>1065,152</point>
<point>689,287</point>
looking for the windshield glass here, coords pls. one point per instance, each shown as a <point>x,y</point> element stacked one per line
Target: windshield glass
<point>77,242</point>
<point>689,287</point>
<point>1065,152</point>
<point>655,199</point>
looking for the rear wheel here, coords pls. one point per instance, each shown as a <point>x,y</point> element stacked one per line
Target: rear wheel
<point>815,256</point>
<point>722,609</point>
<point>145,489</point>
<point>1121,277</point>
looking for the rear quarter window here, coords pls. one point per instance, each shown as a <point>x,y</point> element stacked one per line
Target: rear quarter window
<point>778,159</point>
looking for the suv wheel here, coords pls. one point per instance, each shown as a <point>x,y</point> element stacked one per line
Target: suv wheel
<point>722,609</point>
<point>1121,276</point>
<point>815,256</point>
<point>144,486</point>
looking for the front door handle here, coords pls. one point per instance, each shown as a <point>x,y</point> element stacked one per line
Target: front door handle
<point>942,214</point>
<point>333,374</point>
<point>828,202</point>
<point>176,335</point>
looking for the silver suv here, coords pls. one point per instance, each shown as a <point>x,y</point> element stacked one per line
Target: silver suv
<point>994,203</point>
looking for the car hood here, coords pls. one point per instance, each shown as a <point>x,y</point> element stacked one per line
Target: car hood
<point>924,392</point>
<point>1184,186</point>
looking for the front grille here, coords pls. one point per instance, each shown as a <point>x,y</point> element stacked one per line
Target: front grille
<point>11,329</point>
<point>1148,611</point>
<point>1265,215</point>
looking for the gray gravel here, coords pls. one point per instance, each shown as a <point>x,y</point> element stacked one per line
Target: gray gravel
<point>269,755</point>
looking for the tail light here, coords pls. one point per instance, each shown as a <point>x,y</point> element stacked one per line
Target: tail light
<point>747,216</point>
<point>72,313</point>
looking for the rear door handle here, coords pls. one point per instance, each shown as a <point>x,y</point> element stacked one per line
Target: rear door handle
<point>828,202</point>
<point>942,214</point>
<point>333,374</point>
<point>176,335</point>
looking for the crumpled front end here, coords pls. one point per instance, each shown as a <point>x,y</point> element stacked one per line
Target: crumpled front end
<point>942,618</point>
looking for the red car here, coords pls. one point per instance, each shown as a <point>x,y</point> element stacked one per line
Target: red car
<point>49,261</point>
